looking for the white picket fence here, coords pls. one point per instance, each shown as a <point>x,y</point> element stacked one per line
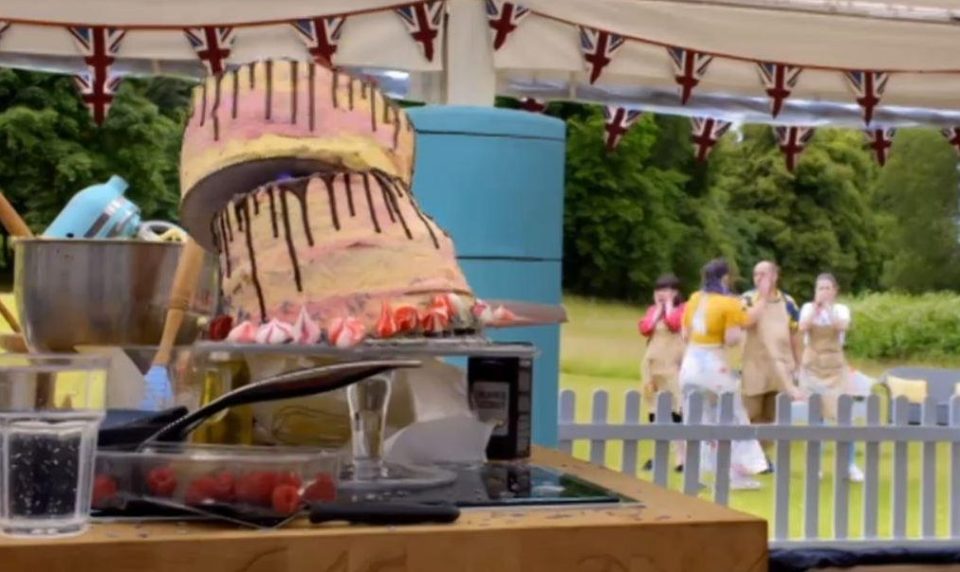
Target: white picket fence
<point>871,431</point>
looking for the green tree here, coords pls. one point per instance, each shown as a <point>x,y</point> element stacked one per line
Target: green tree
<point>621,226</point>
<point>918,194</point>
<point>814,220</point>
<point>50,148</point>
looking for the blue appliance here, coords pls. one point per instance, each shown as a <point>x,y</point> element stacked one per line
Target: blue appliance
<point>494,179</point>
<point>98,211</point>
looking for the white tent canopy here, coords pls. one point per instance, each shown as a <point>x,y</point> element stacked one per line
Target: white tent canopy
<point>913,41</point>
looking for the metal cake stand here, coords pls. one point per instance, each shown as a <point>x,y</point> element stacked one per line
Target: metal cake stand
<point>368,472</point>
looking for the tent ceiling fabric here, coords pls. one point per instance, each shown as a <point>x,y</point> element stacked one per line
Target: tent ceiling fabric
<point>914,39</point>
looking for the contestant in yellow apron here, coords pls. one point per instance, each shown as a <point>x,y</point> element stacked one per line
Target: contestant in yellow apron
<point>711,323</point>
<point>661,326</point>
<point>823,366</point>
<point>770,347</point>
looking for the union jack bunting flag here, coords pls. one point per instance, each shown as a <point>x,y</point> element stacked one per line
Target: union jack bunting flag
<point>792,142</point>
<point>868,86</point>
<point>953,137</point>
<point>598,48</point>
<point>212,45</point>
<point>423,21</point>
<point>321,36</point>
<point>98,45</point>
<point>3,27</point>
<point>706,132</point>
<point>778,81</point>
<point>616,122</point>
<point>504,17</point>
<point>880,141</point>
<point>689,67</point>
<point>533,105</point>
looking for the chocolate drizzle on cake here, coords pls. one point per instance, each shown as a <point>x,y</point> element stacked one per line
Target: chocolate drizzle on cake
<point>236,93</point>
<point>350,81</point>
<point>224,242</point>
<point>203,103</point>
<point>269,102</point>
<point>226,218</point>
<point>363,88</point>
<point>273,211</point>
<point>289,238</point>
<point>253,76</point>
<point>293,92</point>
<point>397,119</point>
<point>332,196</point>
<point>256,203</point>
<point>236,212</point>
<point>299,189</point>
<point>312,96</point>
<point>426,222</point>
<point>214,117</point>
<point>392,203</point>
<point>334,85</point>
<point>387,202</point>
<point>346,183</point>
<point>245,211</point>
<point>373,213</point>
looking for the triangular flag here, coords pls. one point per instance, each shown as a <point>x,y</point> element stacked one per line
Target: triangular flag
<point>97,85</point>
<point>4,25</point>
<point>212,45</point>
<point>778,82</point>
<point>533,105</point>
<point>423,21</point>
<point>616,122</point>
<point>321,36</point>
<point>689,68</point>
<point>953,137</point>
<point>706,132</point>
<point>793,140</point>
<point>868,86</point>
<point>503,17</point>
<point>880,140</point>
<point>598,47</point>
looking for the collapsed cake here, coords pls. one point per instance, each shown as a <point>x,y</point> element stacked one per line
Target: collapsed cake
<point>337,254</point>
<point>354,248</point>
<point>249,125</point>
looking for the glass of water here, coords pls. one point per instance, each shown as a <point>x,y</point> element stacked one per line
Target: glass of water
<point>51,406</point>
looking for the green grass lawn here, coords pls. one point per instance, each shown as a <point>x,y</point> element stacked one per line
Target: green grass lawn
<point>601,349</point>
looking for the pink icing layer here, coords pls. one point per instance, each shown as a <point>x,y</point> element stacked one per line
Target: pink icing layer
<point>297,101</point>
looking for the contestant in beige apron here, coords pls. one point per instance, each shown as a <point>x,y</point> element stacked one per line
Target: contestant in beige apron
<point>823,367</point>
<point>712,321</point>
<point>769,348</point>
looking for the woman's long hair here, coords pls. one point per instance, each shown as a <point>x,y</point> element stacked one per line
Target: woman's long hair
<point>713,273</point>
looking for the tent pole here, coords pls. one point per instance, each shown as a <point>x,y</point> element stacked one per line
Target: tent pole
<point>469,76</point>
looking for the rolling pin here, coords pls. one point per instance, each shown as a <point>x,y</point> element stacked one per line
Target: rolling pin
<point>159,389</point>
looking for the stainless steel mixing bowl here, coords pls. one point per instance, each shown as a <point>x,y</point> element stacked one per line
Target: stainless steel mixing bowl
<point>102,292</point>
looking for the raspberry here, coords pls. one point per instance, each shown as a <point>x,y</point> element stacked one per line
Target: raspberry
<point>286,499</point>
<point>162,481</point>
<point>104,490</point>
<point>322,489</point>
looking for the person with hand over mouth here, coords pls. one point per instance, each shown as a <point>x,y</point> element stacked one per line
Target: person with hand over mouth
<point>661,327</point>
<point>823,366</point>
<point>770,347</point>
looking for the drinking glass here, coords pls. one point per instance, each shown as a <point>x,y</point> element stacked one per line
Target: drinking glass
<point>50,412</point>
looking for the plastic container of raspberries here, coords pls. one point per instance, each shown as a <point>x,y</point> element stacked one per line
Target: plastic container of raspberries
<point>248,480</point>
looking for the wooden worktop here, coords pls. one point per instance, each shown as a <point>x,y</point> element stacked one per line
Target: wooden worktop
<point>669,533</point>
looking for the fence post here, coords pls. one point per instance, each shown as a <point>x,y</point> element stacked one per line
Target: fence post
<point>955,470</point>
<point>901,408</point>
<point>693,415</point>
<point>841,464</point>
<point>928,487</point>
<point>721,483</point>
<point>811,500</point>
<point>631,417</point>
<point>568,407</point>
<point>781,523</point>
<point>871,471</point>
<point>661,449</point>
<point>598,447</point>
